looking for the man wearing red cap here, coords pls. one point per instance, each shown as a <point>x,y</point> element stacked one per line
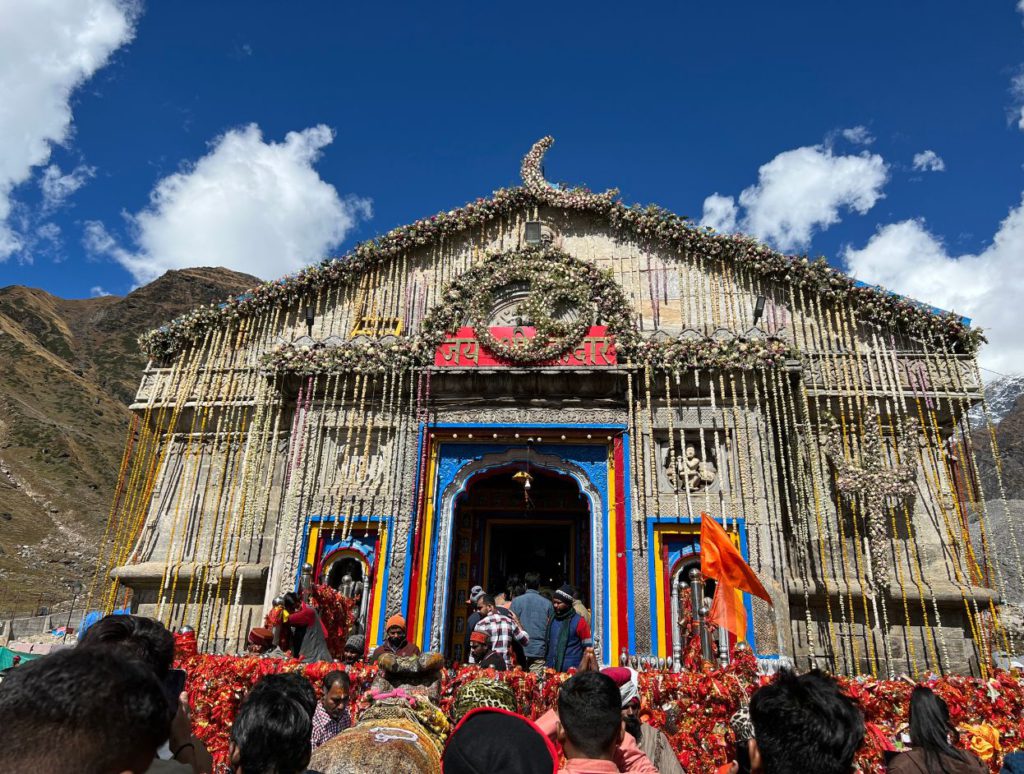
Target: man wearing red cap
<point>396,642</point>
<point>483,655</point>
<point>654,744</point>
<point>260,640</point>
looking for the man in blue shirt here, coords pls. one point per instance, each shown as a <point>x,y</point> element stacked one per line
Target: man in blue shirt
<point>534,613</point>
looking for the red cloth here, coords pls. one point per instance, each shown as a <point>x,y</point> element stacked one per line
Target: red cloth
<point>535,759</point>
<point>264,638</point>
<point>720,560</point>
<point>619,675</point>
<point>305,616</point>
<point>583,630</point>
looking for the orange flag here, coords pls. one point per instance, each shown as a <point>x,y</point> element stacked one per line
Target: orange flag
<point>728,612</point>
<point>720,560</point>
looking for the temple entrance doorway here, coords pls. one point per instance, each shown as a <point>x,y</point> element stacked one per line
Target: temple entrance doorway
<point>504,530</point>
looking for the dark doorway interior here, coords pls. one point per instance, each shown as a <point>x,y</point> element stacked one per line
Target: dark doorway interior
<point>543,548</point>
<point>500,536</point>
<point>347,569</point>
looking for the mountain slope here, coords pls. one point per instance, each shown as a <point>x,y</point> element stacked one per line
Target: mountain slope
<point>1006,410</point>
<point>70,368</point>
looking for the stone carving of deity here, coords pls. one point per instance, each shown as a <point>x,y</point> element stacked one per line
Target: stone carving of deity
<point>691,473</point>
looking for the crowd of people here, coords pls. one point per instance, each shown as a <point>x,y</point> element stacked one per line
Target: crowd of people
<point>528,628</point>
<point>522,626</point>
<point>115,705</point>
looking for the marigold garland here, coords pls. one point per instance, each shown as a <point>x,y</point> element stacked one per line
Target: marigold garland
<point>692,707</point>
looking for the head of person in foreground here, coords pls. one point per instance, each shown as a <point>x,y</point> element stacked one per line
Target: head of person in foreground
<point>803,724</point>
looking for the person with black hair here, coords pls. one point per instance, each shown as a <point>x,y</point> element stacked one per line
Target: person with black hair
<point>90,711</point>
<point>652,741</point>
<point>136,637</point>
<point>502,630</point>
<point>588,724</point>
<point>150,643</point>
<point>930,730</point>
<point>331,716</point>
<point>271,735</point>
<point>804,725</point>
<point>535,614</point>
<point>291,684</point>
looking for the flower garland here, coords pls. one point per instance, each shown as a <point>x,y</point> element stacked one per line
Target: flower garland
<point>547,292</point>
<point>874,479</point>
<point>363,355</point>
<point>556,279</point>
<point>739,353</point>
<point>337,613</point>
<point>658,226</point>
<point>692,707</point>
<point>667,355</point>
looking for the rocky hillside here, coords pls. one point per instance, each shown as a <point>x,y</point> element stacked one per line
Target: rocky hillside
<point>1007,411</point>
<point>70,368</point>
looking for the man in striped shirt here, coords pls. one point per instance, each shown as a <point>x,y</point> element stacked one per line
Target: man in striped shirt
<point>501,629</point>
<point>331,716</point>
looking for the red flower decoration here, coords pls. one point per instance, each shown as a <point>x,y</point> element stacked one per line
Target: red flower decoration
<point>693,707</point>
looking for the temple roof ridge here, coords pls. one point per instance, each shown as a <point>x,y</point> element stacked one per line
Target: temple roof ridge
<point>646,222</point>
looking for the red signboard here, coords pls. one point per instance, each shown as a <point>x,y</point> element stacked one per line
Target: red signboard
<point>463,350</point>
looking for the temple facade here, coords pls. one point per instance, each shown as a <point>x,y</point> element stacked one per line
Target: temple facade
<point>551,381</point>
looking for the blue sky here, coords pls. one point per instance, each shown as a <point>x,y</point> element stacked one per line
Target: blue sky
<point>403,110</point>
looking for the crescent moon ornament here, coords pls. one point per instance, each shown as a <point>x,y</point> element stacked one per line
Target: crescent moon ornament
<point>535,183</point>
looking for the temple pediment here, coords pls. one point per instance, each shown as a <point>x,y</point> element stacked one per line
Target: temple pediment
<point>675,275</point>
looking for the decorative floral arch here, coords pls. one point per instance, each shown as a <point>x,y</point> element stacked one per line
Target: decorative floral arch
<point>554,277</point>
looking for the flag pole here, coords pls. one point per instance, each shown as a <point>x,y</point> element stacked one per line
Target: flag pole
<point>700,612</point>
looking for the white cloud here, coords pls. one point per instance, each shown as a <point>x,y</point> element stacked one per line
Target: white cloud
<point>802,191</point>
<point>47,50</point>
<point>929,160</point>
<point>987,287</point>
<point>253,206</point>
<point>720,213</point>
<point>1017,91</point>
<point>49,231</point>
<point>859,135</point>
<point>56,186</point>
<point>97,292</point>
<point>98,241</point>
